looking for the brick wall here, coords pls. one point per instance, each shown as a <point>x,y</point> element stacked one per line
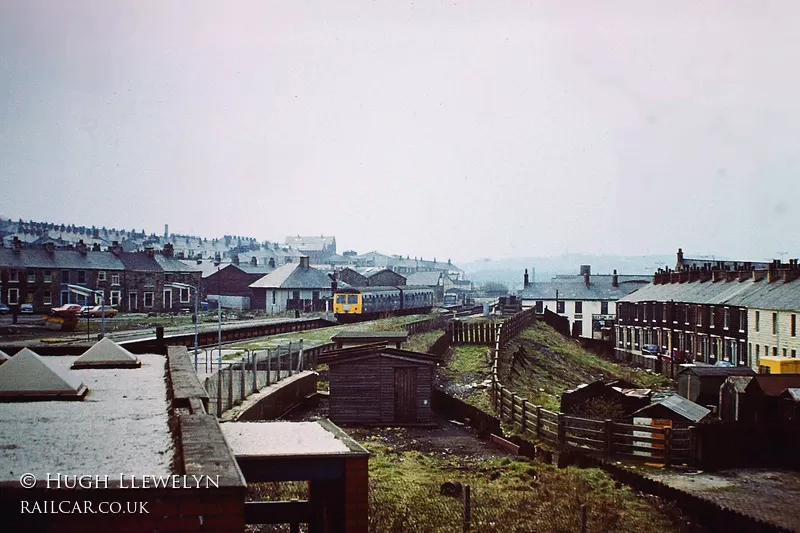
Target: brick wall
<point>357,495</point>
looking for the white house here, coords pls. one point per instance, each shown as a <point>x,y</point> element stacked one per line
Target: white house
<point>293,286</point>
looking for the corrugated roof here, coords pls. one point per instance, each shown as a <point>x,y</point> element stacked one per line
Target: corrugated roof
<point>293,276</point>
<point>679,405</point>
<point>778,295</point>
<point>428,279</point>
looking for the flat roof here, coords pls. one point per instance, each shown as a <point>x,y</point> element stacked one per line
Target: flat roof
<point>371,335</point>
<point>288,439</point>
<point>121,426</point>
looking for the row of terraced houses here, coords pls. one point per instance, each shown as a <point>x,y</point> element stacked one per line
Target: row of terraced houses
<point>130,281</point>
<point>716,311</point>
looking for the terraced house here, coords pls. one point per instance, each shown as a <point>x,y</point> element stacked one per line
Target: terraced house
<point>129,281</point>
<point>735,312</point>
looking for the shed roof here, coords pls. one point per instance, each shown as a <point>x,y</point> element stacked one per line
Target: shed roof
<point>678,405</point>
<point>375,350</point>
<point>793,393</point>
<point>775,384</point>
<point>739,383</point>
<point>429,279</point>
<point>718,371</point>
<point>366,335</point>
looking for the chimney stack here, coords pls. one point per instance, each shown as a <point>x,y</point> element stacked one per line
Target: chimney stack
<point>254,261</point>
<point>614,279</point>
<point>235,259</point>
<point>586,271</point>
<point>96,247</point>
<point>217,259</point>
<point>525,282</point>
<point>115,248</point>
<point>81,247</point>
<point>50,248</point>
<point>680,258</point>
<point>303,261</point>
<point>17,244</point>
<point>168,250</point>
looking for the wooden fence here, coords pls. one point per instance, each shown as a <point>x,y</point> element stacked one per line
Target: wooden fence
<point>427,324</point>
<point>658,445</point>
<point>472,332</point>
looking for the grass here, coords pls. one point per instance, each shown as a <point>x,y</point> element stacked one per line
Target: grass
<point>548,363</point>
<point>467,365</point>
<point>507,494</point>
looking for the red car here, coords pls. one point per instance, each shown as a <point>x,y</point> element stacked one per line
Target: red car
<point>66,309</point>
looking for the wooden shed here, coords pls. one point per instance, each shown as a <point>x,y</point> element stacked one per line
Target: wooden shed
<point>701,384</point>
<point>378,385</point>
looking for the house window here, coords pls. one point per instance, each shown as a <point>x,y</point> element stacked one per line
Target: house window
<point>101,276</point>
<point>184,294</point>
<point>742,319</point>
<point>13,276</point>
<point>603,308</point>
<point>794,354</point>
<point>794,325</point>
<point>29,298</point>
<point>726,318</point>
<point>65,276</point>
<point>148,299</point>
<point>13,296</point>
<point>115,279</point>
<point>31,276</point>
<point>47,298</point>
<point>82,276</point>
<point>774,323</point>
<point>758,321</point>
<point>758,350</point>
<point>774,351</point>
<point>115,298</point>
<point>578,308</point>
<point>711,316</point>
<point>149,280</point>
<point>560,306</point>
<point>784,352</point>
<point>699,311</point>
<point>274,297</point>
<point>48,276</point>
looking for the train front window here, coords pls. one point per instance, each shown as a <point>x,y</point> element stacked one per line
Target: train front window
<point>352,299</point>
<point>341,298</point>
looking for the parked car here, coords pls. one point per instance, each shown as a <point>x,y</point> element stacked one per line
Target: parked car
<point>26,309</point>
<point>97,311</point>
<point>4,309</point>
<point>84,310</point>
<point>650,349</point>
<point>679,356</point>
<point>66,309</point>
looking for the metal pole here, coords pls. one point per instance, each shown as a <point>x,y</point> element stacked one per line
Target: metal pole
<point>103,315</point>
<point>242,380</point>
<point>196,320</point>
<point>219,328</point>
<point>219,391</point>
<point>269,366</point>
<point>300,357</point>
<point>289,360</point>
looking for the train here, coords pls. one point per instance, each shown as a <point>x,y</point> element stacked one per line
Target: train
<point>352,304</point>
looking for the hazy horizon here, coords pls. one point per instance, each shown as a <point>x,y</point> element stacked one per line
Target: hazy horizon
<point>451,130</point>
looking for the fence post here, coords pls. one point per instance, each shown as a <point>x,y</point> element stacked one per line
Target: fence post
<point>609,430</point>
<point>467,508</point>
<point>667,446</point>
<point>289,359</point>
<point>300,357</point>
<point>538,421</point>
<point>269,366</point>
<point>230,386</point>
<point>584,520</point>
<point>524,416</point>
<point>254,359</point>
<point>219,392</point>
<point>562,431</point>
<point>693,457</point>
<point>243,381</point>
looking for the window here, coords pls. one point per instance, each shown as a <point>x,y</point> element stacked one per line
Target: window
<point>149,280</point>
<point>774,351</point>
<point>578,327</point>
<point>13,276</point>
<point>115,279</point>
<point>148,299</point>
<point>13,296</point>
<point>774,323</point>
<point>81,276</point>
<point>65,276</point>
<point>352,299</point>
<point>742,319</point>
<point>578,308</point>
<point>101,276</point>
<point>31,276</point>
<point>794,354</point>
<point>711,316</point>
<point>758,322</point>
<point>726,318</point>
<point>784,352</point>
<point>115,298</point>
<point>560,307</point>
<point>47,298</point>
<point>48,276</point>
<point>64,297</point>
<point>184,295</point>
<point>603,308</point>
<point>273,297</point>
<point>341,298</point>
<point>295,295</point>
<point>29,298</point>
<point>794,326</point>
<point>758,350</point>
<point>699,311</point>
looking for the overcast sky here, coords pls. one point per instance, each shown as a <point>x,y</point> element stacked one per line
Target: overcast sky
<point>458,130</point>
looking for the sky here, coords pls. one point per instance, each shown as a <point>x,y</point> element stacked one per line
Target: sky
<point>460,130</point>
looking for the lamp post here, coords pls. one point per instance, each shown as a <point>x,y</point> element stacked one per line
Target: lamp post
<point>83,291</point>
<point>196,316</point>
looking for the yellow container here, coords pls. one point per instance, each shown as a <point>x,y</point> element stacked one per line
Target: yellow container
<point>779,365</point>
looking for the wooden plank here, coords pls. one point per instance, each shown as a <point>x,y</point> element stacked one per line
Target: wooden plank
<point>652,429</point>
<point>594,444</point>
<point>647,458</point>
<point>628,438</point>
<point>580,422</point>
<point>656,452</point>
<point>584,432</point>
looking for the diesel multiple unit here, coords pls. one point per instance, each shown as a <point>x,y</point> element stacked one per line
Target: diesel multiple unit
<point>365,303</point>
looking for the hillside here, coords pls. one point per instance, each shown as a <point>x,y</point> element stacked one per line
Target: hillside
<point>541,363</point>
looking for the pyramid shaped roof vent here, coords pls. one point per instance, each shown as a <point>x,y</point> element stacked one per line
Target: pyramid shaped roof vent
<point>26,377</point>
<point>107,354</point>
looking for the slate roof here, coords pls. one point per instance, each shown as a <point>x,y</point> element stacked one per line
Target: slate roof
<point>778,295</point>
<point>60,259</point>
<point>293,276</point>
<point>139,262</point>
<point>776,384</point>
<point>574,288</point>
<point>310,243</point>
<point>171,264</point>
<point>679,405</point>
<point>429,279</point>
<point>250,269</point>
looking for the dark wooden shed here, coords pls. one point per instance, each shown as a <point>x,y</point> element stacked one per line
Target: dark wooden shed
<point>701,384</point>
<point>378,385</point>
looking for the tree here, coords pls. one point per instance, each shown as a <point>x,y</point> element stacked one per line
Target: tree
<point>494,288</point>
